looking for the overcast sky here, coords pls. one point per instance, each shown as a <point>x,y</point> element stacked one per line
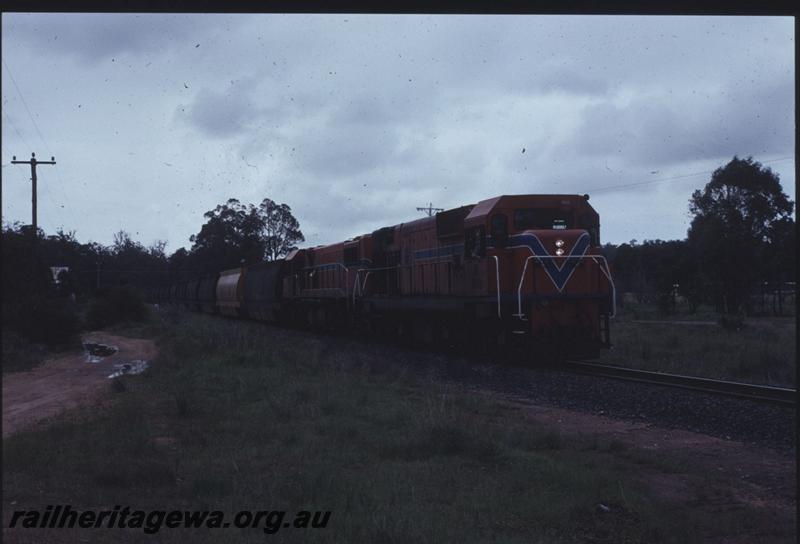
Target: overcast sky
<point>355,120</point>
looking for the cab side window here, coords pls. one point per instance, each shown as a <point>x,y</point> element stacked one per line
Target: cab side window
<point>499,230</point>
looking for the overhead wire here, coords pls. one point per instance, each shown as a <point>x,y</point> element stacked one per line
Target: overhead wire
<point>22,177</point>
<point>682,176</point>
<point>47,191</point>
<point>23,102</point>
<point>14,126</point>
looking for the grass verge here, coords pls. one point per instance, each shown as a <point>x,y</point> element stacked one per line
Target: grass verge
<point>235,415</point>
<point>763,350</point>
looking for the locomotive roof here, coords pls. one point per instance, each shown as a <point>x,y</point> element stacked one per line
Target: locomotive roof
<point>478,213</point>
<point>484,207</point>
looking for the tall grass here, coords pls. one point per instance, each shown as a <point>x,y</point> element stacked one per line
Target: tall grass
<point>236,415</point>
<point>758,350</point>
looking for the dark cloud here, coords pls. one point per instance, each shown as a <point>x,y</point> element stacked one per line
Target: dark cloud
<point>541,80</point>
<point>657,130</point>
<point>222,113</point>
<point>572,82</point>
<point>348,150</point>
<point>355,120</point>
<point>96,36</point>
<point>370,109</point>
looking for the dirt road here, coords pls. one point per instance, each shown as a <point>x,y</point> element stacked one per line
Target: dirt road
<point>65,382</point>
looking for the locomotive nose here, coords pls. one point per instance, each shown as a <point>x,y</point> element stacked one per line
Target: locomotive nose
<point>560,242</point>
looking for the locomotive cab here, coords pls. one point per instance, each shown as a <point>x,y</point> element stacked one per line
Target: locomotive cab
<point>553,288</point>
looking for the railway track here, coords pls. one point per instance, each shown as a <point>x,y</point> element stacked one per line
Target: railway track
<point>759,393</point>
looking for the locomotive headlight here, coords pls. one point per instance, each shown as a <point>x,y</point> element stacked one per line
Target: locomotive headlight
<point>559,243</point>
<point>559,252</point>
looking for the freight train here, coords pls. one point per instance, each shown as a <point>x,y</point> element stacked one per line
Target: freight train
<point>519,270</point>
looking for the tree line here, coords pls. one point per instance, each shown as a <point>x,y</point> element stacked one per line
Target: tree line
<point>742,234</point>
<point>45,309</point>
<point>234,234</point>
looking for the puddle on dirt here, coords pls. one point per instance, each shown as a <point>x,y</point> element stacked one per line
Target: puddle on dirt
<point>95,352</point>
<point>131,367</point>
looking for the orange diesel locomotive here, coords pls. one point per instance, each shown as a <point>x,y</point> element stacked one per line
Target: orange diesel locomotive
<point>521,270</point>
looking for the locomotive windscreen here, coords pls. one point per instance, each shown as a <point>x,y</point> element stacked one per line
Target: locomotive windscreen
<point>543,218</point>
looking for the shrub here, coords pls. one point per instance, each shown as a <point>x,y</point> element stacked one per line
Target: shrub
<point>18,352</point>
<point>115,305</point>
<point>47,321</point>
<point>25,273</point>
<point>27,287</point>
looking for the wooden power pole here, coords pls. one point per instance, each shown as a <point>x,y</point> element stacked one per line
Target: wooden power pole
<point>33,162</point>
<point>430,210</point>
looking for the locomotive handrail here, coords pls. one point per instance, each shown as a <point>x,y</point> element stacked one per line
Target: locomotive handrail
<point>593,257</point>
<point>324,264</point>
<point>519,313</point>
<point>607,272</point>
<point>340,265</point>
<point>384,268</point>
<point>356,286</point>
<point>497,281</point>
<point>363,285</point>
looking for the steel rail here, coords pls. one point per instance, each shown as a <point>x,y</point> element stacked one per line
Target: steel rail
<point>760,393</point>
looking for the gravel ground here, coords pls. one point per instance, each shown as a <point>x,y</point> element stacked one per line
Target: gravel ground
<point>715,415</point>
